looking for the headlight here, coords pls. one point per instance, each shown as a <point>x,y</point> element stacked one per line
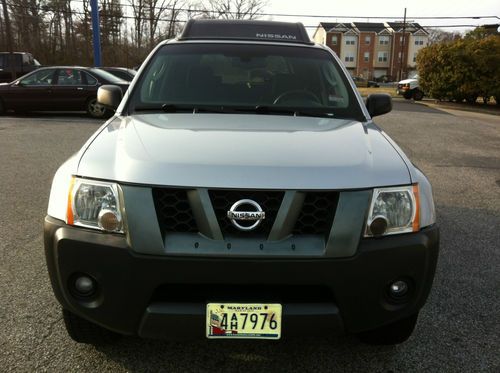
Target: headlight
<point>393,210</point>
<point>94,204</point>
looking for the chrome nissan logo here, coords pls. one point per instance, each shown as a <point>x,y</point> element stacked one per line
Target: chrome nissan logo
<point>237,214</point>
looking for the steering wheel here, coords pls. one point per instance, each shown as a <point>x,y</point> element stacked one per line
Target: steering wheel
<point>297,93</point>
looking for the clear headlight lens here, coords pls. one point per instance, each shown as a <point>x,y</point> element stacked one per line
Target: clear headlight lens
<point>94,204</point>
<point>393,210</point>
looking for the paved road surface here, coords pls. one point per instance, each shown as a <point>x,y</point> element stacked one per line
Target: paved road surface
<point>458,331</point>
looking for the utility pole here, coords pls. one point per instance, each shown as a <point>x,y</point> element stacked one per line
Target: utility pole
<point>9,39</point>
<point>403,42</point>
<point>96,33</point>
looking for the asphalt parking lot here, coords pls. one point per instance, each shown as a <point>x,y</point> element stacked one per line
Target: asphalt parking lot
<point>458,329</point>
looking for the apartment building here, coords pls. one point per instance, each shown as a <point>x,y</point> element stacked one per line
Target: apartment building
<point>371,50</point>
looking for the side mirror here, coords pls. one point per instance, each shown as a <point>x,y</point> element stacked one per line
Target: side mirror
<point>109,96</point>
<point>378,104</point>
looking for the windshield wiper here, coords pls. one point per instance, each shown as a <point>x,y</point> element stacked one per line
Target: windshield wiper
<point>305,112</point>
<point>173,108</point>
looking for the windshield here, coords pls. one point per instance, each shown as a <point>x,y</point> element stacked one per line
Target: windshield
<point>269,78</point>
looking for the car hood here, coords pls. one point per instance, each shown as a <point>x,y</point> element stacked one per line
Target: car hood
<point>408,81</point>
<point>242,151</point>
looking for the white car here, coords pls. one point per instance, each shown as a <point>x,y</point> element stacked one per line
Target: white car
<point>410,88</point>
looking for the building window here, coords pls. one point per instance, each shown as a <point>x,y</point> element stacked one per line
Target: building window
<point>367,56</point>
<point>419,40</point>
<point>382,56</point>
<point>334,39</point>
<point>350,40</point>
<point>368,39</point>
<point>414,57</point>
<point>383,40</point>
<point>349,57</point>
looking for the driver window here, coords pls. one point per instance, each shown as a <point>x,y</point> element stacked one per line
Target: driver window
<point>41,77</point>
<point>69,77</point>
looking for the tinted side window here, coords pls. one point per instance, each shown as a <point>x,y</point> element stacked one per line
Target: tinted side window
<point>90,79</point>
<point>40,77</point>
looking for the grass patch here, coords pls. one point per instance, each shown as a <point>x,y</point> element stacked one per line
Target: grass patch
<point>368,91</point>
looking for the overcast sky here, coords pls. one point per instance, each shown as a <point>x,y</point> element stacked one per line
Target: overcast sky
<point>389,8</point>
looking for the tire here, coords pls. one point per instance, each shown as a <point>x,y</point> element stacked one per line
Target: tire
<point>407,96</point>
<point>418,95</point>
<point>83,331</point>
<point>95,110</point>
<point>391,334</point>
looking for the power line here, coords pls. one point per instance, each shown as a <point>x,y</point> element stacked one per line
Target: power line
<point>264,14</point>
<point>143,18</point>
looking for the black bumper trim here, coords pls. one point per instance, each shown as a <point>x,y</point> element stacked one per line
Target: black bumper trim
<point>127,281</point>
<point>298,319</point>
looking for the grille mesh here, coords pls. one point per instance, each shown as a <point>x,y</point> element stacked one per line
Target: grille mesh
<point>318,211</point>
<point>174,211</point>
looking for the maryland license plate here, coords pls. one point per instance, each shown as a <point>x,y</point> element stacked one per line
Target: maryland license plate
<point>244,321</point>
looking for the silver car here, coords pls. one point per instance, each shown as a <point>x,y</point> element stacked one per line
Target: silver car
<point>241,190</point>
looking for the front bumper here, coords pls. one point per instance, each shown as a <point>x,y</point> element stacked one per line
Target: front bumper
<point>165,296</point>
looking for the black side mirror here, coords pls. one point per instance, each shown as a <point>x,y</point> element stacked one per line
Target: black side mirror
<point>378,104</point>
<point>109,96</point>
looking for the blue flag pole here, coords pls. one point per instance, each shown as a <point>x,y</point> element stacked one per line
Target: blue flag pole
<point>96,33</point>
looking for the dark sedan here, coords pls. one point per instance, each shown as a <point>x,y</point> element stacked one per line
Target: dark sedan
<point>360,82</point>
<point>121,72</point>
<point>60,88</point>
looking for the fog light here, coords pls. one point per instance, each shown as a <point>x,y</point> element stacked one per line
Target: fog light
<point>398,289</point>
<point>378,225</point>
<point>109,220</point>
<point>84,285</point>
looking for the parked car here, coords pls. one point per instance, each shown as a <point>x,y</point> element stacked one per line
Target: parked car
<point>241,190</point>
<point>58,88</point>
<point>23,64</point>
<point>121,72</point>
<point>383,79</point>
<point>409,88</point>
<point>360,82</point>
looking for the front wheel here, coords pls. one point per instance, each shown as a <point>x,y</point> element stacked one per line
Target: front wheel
<point>407,95</point>
<point>84,331</point>
<point>96,110</point>
<point>391,334</point>
<point>418,95</point>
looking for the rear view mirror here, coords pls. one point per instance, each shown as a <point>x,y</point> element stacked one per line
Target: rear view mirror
<point>378,104</point>
<point>109,96</point>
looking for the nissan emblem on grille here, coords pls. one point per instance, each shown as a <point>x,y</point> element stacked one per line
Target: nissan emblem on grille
<point>235,215</point>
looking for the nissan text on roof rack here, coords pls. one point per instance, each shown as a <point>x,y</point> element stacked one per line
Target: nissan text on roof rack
<point>241,190</point>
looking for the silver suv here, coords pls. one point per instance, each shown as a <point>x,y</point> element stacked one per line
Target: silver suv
<point>241,190</point>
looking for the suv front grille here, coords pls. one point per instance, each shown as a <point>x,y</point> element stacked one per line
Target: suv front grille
<point>269,201</point>
<point>174,211</point>
<point>318,211</point>
<point>175,214</point>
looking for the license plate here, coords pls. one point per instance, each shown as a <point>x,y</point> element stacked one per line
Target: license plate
<point>243,320</point>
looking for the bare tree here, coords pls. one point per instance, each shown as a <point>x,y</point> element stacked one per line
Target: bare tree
<point>139,9</point>
<point>437,35</point>
<point>235,9</point>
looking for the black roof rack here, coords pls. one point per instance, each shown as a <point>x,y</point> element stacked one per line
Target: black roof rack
<point>203,29</point>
